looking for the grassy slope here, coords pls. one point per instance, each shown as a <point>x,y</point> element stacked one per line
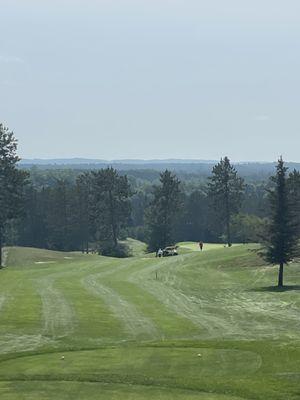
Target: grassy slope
<point>207,328</point>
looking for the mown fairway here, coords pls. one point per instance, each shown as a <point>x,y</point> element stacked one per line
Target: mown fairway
<point>209,327</point>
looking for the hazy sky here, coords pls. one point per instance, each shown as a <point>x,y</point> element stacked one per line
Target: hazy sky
<point>152,78</point>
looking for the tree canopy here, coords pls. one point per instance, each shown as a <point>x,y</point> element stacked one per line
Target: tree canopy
<point>163,210</point>
<point>281,238</point>
<point>12,181</point>
<point>225,191</point>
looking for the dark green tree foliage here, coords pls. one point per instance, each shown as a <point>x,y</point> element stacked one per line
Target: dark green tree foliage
<point>194,220</point>
<point>225,191</point>
<point>60,216</point>
<point>255,201</point>
<point>110,208</point>
<point>83,206</point>
<point>33,230</point>
<point>42,225</point>
<point>247,228</point>
<point>281,239</point>
<point>51,219</point>
<point>136,228</point>
<point>293,183</point>
<point>12,181</point>
<point>163,211</point>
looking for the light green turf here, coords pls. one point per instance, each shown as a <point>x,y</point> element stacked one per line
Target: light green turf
<point>136,247</point>
<point>192,246</point>
<point>202,325</point>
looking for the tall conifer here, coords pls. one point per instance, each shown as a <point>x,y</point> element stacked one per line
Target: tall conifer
<point>281,239</point>
<point>162,213</point>
<point>225,191</point>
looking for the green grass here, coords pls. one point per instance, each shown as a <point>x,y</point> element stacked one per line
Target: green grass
<point>192,246</point>
<point>136,247</point>
<point>203,325</point>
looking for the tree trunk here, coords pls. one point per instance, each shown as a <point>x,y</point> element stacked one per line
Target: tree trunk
<point>280,275</point>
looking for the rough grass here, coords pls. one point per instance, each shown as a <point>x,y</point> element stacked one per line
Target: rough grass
<point>202,325</point>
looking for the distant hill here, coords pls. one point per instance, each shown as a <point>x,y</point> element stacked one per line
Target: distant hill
<point>255,170</point>
<point>89,161</point>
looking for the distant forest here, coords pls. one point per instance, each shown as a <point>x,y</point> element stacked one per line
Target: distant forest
<point>55,217</point>
<point>149,170</point>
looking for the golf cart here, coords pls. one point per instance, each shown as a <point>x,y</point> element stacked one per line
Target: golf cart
<point>170,251</point>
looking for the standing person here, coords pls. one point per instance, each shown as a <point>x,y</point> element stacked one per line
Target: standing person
<point>160,253</point>
<point>201,245</point>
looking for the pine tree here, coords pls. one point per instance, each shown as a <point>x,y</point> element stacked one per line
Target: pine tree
<point>83,193</point>
<point>293,183</point>
<point>163,211</point>
<point>225,191</point>
<point>33,227</point>
<point>196,216</point>
<point>58,216</point>
<point>110,208</point>
<point>12,181</point>
<point>281,239</point>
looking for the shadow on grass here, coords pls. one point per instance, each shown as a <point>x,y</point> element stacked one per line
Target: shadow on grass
<point>286,288</point>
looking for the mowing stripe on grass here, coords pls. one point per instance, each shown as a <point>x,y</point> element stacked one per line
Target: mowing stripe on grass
<point>168,323</point>
<point>211,325</point>
<point>2,301</point>
<point>57,313</point>
<point>135,323</point>
<point>11,343</point>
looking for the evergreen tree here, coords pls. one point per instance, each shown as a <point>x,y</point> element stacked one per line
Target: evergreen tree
<point>194,221</point>
<point>110,208</point>
<point>247,228</point>
<point>281,239</point>
<point>59,217</point>
<point>293,182</point>
<point>12,181</point>
<point>225,191</point>
<point>163,211</point>
<point>33,230</point>
<point>83,213</point>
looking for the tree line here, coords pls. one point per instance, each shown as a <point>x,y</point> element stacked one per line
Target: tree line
<point>96,210</point>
